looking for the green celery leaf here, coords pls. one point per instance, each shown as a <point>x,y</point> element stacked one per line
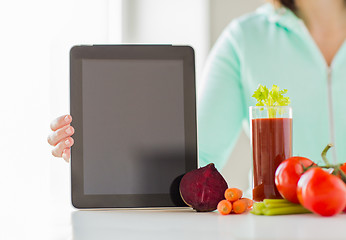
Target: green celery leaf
<point>271,97</point>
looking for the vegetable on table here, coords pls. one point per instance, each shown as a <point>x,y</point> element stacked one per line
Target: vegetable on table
<point>224,207</point>
<point>234,202</point>
<point>317,190</point>
<point>240,206</point>
<point>249,202</point>
<point>341,172</point>
<point>203,188</point>
<point>270,207</point>
<point>288,174</point>
<point>321,192</point>
<point>343,168</point>
<point>233,194</point>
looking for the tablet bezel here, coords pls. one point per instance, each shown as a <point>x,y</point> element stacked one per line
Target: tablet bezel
<point>77,53</point>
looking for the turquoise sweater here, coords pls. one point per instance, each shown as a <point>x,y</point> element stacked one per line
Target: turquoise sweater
<point>271,46</point>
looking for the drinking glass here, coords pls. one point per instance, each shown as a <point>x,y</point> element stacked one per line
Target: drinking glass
<point>271,143</point>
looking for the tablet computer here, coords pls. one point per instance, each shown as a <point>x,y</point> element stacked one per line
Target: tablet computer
<point>134,114</point>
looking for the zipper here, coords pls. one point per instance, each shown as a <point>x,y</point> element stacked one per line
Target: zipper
<point>331,114</point>
<point>329,89</point>
<point>319,55</point>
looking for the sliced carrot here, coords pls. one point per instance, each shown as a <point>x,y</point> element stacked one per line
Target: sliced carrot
<point>240,206</point>
<point>249,202</point>
<point>233,194</point>
<point>224,207</point>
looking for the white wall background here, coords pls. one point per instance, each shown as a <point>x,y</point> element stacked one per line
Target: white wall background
<point>178,22</point>
<point>24,104</point>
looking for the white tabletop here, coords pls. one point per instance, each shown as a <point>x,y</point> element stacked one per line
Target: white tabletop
<point>187,224</point>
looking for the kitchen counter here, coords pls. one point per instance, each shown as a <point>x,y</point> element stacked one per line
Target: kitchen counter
<point>187,224</point>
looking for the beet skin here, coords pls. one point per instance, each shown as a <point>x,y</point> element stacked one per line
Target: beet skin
<point>203,188</point>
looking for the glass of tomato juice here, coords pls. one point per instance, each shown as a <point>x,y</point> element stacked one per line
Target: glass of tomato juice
<point>271,143</point>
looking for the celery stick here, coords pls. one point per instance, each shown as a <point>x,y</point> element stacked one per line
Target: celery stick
<point>280,205</point>
<point>271,207</point>
<point>258,207</point>
<point>255,213</point>
<point>271,201</point>
<point>286,210</point>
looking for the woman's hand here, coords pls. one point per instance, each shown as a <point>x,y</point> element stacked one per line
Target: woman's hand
<point>61,138</point>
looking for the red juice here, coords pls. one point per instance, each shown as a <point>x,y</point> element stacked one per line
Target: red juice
<point>271,144</point>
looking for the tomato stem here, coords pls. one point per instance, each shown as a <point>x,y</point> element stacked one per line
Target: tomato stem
<point>308,167</point>
<point>337,169</point>
<point>324,153</point>
<point>330,166</point>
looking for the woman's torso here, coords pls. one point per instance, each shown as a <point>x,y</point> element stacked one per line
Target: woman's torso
<point>274,47</point>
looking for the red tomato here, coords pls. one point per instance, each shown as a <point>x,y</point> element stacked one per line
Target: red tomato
<point>343,168</point>
<point>321,192</point>
<point>287,176</point>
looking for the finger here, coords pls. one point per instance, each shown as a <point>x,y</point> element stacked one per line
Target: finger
<point>60,122</point>
<point>55,137</point>
<point>63,144</point>
<point>66,154</point>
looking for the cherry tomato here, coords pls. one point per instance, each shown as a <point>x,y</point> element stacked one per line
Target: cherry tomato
<point>321,192</point>
<point>287,176</point>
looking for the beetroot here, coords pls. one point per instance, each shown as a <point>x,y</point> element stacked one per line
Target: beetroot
<point>203,188</point>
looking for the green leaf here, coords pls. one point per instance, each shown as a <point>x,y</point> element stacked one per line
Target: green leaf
<point>261,94</point>
<point>260,104</point>
<point>275,94</point>
<point>271,97</point>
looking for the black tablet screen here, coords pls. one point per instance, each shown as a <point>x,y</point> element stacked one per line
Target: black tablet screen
<point>133,125</point>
